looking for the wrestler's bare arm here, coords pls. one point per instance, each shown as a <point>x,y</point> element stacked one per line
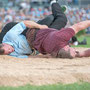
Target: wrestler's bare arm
<point>85,53</point>
<point>32,24</point>
<point>80,26</point>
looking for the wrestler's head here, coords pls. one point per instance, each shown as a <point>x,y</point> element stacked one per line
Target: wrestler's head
<point>6,49</point>
<point>67,52</point>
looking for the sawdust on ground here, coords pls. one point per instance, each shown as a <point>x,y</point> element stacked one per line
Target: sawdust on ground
<point>43,71</point>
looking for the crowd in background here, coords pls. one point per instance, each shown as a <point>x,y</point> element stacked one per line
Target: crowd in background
<point>25,11</point>
<point>76,15</point>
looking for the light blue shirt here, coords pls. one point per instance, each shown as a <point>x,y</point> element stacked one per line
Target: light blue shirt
<point>18,41</point>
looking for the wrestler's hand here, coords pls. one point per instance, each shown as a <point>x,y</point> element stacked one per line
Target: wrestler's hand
<point>43,27</point>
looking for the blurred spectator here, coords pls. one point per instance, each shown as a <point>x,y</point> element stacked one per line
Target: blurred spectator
<point>70,1</point>
<point>10,3</point>
<point>26,12</point>
<point>76,15</point>
<point>34,2</point>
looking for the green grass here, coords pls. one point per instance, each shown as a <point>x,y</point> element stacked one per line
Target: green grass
<point>81,39</point>
<point>82,86</point>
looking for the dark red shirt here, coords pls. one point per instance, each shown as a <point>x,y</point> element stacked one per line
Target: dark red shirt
<point>50,40</point>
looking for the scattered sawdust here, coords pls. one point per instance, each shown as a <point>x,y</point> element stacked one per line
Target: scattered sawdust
<point>43,71</point>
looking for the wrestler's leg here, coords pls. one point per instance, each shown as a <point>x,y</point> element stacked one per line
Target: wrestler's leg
<point>60,19</point>
<point>57,19</point>
<point>47,20</point>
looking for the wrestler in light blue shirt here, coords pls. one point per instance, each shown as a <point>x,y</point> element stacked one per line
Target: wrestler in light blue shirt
<point>18,41</point>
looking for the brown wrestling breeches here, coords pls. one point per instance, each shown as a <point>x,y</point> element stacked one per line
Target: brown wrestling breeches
<point>30,36</point>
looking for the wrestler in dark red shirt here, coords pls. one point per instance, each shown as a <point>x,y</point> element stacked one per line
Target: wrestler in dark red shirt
<point>51,41</point>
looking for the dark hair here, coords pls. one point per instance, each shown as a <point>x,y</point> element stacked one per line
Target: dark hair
<point>1,50</point>
<point>64,54</point>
